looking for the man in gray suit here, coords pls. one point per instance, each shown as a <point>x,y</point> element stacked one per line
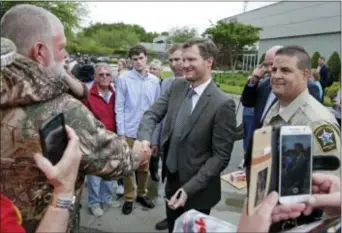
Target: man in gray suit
<point>176,65</point>
<point>198,133</point>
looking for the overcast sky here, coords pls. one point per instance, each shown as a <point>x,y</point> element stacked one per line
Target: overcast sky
<point>162,16</point>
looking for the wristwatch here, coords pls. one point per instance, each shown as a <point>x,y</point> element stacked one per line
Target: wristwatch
<point>64,202</point>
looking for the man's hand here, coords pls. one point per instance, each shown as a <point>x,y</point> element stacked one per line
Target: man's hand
<point>178,199</point>
<point>262,218</point>
<point>63,175</point>
<point>326,191</point>
<point>257,74</point>
<point>286,212</point>
<point>155,150</point>
<point>143,150</point>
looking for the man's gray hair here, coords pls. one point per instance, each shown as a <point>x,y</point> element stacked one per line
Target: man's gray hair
<point>26,24</point>
<point>156,62</point>
<point>274,49</point>
<point>102,65</point>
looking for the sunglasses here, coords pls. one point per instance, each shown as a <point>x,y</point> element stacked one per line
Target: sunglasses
<point>104,74</point>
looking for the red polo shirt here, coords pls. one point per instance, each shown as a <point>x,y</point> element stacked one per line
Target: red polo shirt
<point>102,110</point>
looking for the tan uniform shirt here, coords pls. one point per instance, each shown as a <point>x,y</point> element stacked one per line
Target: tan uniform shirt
<point>306,110</point>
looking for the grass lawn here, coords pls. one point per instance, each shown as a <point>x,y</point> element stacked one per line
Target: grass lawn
<point>231,89</point>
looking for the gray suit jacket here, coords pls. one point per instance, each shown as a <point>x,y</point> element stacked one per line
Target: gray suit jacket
<point>206,144</point>
<point>166,84</point>
<point>157,134</point>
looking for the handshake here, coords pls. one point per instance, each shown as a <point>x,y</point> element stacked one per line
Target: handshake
<point>143,151</point>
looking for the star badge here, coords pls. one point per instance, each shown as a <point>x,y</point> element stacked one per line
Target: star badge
<point>326,138</point>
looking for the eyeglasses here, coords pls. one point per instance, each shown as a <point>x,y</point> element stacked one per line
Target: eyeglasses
<point>104,74</point>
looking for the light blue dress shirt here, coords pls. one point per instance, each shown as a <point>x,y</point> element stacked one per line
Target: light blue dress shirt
<point>134,95</point>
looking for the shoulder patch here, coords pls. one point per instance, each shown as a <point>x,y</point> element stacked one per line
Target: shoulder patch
<point>325,136</point>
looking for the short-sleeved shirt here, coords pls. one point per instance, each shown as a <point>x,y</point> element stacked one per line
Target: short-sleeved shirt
<point>306,110</point>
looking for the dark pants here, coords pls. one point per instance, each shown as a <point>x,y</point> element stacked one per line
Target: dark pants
<point>172,185</point>
<point>247,122</point>
<point>339,121</point>
<point>154,163</point>
<point>120,181</point>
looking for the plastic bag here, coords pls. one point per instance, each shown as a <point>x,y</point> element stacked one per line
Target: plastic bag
<point>193,221</point>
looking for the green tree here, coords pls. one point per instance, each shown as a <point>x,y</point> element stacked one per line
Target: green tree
<point>165,34</point>
<point>106,38</point>
<point>233,36</point>
<point>314,59</point>
<point>334,64</point>
<point>116,39</point>
<point>262,58</point>
<point>149,36</point>
<point>180,35</point>
<point>70,14</point>
<point>139,31</point>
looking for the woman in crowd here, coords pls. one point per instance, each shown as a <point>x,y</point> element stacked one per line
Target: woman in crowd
<point>315,77</point>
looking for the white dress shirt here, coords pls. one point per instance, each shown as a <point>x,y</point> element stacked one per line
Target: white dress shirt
<point>199,91</point>
<point>271,97</point>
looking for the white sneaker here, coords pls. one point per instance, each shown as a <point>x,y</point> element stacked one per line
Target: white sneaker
<point>120,190</point>
<point>96,210</point>
<point>241,164</point>
<point>113,204</point>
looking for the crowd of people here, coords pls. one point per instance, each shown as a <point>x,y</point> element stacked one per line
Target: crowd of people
<point>121,125</point>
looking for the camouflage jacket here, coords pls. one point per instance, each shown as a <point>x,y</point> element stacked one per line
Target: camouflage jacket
<point>29,95</point>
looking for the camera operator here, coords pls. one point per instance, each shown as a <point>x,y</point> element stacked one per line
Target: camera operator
<point>63,177</point>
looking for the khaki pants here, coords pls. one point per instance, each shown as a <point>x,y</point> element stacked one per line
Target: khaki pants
<point>142,175</point>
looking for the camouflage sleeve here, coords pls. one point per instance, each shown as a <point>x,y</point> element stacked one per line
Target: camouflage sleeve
<point>76,88</point>
<point>104,153</point>
<point>326,138</point>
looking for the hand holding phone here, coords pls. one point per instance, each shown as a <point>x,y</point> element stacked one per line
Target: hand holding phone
<point>53,138</point>
<point>63,175</point>
<point>295,164</point>
<point>178,199</point>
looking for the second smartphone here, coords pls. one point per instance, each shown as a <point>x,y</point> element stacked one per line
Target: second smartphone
<point>295,175</point>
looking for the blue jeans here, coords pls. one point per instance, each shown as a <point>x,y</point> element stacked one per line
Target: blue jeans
<point>247,121</point>
<point>99,191</point>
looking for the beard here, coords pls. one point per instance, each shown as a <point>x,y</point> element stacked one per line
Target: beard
<point>57,68</point>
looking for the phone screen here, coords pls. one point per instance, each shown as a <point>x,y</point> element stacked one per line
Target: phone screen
<point>55,139</point>
<point>295,177</point>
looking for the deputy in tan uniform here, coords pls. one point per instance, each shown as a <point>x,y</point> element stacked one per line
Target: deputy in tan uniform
<point>295,106</point>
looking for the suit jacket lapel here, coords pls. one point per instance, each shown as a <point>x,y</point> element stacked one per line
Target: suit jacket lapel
<point>266,92</point>
<point>200,106</point>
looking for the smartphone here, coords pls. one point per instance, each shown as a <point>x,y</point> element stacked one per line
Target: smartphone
<point>53,138</point>
<point>178,196</point>
<point>295,164</point>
